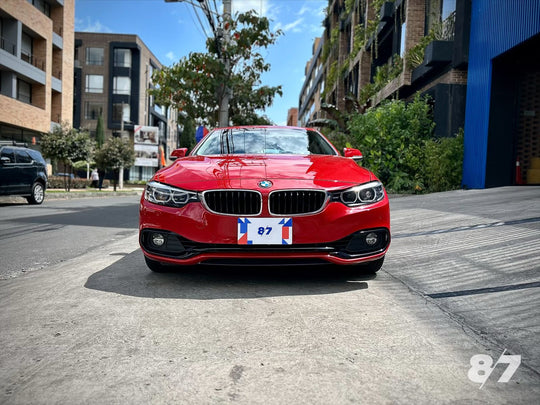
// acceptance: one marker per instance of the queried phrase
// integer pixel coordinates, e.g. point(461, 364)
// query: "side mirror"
point(178, 153)
point(352, 153)
point(4, 160)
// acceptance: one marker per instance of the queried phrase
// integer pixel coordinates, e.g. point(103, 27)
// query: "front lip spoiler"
point(208, 257)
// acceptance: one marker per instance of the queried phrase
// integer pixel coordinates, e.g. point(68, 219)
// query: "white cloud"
point(170, 55)
point(313, 8)
point(305, 9)
point(294, 26)
point(260, 6)
point(90, 26)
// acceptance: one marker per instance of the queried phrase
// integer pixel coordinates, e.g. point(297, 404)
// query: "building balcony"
point(438, 52)
point(8, 46)
point(57, 41)
point(387, 11)
point(56, 84)
point(25, 66)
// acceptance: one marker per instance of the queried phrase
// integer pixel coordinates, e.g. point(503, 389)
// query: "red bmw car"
point(264, 195)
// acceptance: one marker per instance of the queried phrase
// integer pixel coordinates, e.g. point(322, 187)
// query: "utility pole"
point(225, 39)
point(121, 173)
point(224, 102)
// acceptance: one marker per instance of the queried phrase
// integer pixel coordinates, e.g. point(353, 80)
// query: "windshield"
point(265, 141)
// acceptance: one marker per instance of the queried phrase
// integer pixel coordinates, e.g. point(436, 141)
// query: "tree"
point(67, 145)
point(114, 154)
point(187, 136)
point(100, 132)
point(197, 83)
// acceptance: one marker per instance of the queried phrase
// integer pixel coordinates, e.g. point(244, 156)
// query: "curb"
point(89, 194)
point(72, 195)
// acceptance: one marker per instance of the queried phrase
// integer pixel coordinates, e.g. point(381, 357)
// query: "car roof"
point(16, 147)
point(265, 127)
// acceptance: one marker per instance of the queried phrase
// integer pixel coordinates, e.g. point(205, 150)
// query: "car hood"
point(199, 173)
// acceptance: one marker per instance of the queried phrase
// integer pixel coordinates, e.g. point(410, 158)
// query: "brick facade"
point(408, 19)
point(46, 58)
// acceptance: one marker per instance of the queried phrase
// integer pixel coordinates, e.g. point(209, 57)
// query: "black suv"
point(23, 172)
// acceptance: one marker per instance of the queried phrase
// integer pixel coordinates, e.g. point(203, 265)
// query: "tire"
point(38, 194)
point(156, 266)
point(371, 267)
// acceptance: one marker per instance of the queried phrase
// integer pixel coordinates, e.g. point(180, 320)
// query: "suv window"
point(8, 152)
point(22, 157)
point(37, 156)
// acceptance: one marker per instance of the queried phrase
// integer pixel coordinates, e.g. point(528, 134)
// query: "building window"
point(24, 91)
point(42, 6)
point(27, 45)
point(94, 56)
point(92, 111)
point(150, 73)
point(117, 112)
point(159, 109)
point(440, 15)
point(122, 85)
point(122, 57)
point(448, 7)
point(94, 83)
point(402, 37)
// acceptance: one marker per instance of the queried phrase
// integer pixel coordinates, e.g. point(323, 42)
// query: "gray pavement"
point(476, 255)
point(101, 328)
point(35, 237)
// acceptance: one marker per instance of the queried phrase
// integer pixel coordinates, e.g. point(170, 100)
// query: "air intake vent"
point(297, 202)
point(233, 202)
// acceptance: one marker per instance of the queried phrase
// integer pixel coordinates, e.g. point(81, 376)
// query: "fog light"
point(158, 239)
point(371, 238)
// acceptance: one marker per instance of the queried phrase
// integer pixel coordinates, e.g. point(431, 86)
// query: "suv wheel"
point(38, 194)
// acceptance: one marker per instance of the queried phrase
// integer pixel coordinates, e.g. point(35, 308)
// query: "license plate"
point(265, 231)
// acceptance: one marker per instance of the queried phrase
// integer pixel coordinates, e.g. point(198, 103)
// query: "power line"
point(203, 32)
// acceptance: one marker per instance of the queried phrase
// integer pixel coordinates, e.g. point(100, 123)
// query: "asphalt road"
point(461, 279)
point(34, 237)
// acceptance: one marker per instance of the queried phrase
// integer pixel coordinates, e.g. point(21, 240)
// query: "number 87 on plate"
point(265, 231)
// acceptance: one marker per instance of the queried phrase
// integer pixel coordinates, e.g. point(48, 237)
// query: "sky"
point(172, 30)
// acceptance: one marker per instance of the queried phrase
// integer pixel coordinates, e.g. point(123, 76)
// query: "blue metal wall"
point(496, 27)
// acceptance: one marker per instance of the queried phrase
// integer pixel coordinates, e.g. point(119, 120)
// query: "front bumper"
point(194, 235)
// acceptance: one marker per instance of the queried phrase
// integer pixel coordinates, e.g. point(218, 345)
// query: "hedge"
point(76, 183)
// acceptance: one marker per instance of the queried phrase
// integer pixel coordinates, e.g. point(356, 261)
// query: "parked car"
point(65, 175)
point(23, 172)
point(265, 195)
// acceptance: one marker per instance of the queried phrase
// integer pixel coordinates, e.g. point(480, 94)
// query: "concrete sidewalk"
point(476, 255)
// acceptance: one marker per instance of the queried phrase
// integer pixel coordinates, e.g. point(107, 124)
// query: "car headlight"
point(368, 193)
point(162, 194)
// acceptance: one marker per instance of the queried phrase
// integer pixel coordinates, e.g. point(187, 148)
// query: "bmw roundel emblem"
point(265, 184)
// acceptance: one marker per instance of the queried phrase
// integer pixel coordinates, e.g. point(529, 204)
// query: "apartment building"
point(370, 53)
point(36, 67)
point(292, 117)
point(113, 73)
point(374, 50)
point(309, 108)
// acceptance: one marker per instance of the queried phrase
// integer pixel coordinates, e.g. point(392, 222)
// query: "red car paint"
point(217, 234)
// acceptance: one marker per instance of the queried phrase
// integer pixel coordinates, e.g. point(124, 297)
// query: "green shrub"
point(59, 182)
point(77, 183)
point(397, 142)
point(387, 134)
point(444, 163)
